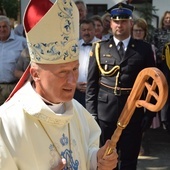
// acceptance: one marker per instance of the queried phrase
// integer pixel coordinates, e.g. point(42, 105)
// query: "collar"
point(125, 41)
point(12, 36)
point(57, 108)
point(81, 41)
point(34, 105)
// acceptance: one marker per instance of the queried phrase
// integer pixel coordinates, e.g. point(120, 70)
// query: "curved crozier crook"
point(158, 89)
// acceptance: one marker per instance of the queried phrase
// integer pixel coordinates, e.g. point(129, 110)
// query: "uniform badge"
point(91, 53)
point(107, 55)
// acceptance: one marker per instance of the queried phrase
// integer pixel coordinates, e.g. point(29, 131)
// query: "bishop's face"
point(56, 82)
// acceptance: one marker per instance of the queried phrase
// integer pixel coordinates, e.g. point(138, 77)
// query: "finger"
point(103, 165)
point(60, 165)
point(106, 145)
point(109, 162)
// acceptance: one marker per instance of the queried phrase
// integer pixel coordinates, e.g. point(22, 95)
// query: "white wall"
point(162, 5)
point(108, 2)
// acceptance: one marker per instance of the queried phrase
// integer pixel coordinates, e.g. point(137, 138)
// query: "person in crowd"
point(22, 63)
point(81, 5)
point(41, 126)
point(113, 67)
point(11, 46)
point(107, 33)
point(160, 38)
point(98, 26)
point(140, 32)
point(82, 8)
point(87, 32)
point(2, 11)
point(19, 30)
point(140, 29)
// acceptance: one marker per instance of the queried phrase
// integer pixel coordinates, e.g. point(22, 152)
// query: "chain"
point(53, 142)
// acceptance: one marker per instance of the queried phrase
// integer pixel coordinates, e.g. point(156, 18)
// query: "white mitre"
point(52, 31)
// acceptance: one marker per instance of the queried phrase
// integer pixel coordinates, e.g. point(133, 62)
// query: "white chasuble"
point(34, 137)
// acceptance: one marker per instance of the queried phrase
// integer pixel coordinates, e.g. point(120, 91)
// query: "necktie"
point(121, 49)
point(87, 44)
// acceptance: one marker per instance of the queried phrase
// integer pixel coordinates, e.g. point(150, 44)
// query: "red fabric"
point(34, 12)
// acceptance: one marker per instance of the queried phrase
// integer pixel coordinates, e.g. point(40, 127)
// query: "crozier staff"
point(41, 126)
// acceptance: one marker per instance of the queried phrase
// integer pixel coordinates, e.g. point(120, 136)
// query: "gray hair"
point(81, 2)
point(4, 18)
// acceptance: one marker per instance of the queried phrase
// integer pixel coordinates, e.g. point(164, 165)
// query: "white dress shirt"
point(10, 51)
point(84, 55)
point(125, 42)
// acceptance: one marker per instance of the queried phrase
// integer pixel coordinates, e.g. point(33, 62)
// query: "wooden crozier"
point(158, 89)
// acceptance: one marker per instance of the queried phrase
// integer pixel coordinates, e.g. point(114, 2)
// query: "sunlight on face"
point(121, 28)
point(56, 82)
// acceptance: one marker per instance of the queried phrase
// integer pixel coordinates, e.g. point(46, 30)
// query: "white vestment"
point(25, 144)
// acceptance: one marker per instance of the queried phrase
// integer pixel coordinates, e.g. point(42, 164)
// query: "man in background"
point(11, 46)
point(87, 32)
point(82, 10)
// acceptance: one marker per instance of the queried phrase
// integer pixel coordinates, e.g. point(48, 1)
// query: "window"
point(96, 9)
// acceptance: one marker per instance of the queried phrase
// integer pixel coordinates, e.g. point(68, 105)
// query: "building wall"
point(161, 5)
point(108, 2)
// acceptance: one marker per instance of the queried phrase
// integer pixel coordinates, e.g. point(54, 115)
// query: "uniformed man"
point(113, 68)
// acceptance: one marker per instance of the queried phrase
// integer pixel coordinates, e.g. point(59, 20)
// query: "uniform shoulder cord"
point(167, 54)
point(106, 73)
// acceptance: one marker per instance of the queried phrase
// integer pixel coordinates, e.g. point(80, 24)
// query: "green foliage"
point(11, 7)
point(146, 11)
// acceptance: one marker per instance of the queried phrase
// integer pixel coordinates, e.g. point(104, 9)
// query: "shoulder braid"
point(106, 73)
point(166, 54)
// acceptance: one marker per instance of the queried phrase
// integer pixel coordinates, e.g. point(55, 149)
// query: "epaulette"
point(97, 42)
point(103, 41)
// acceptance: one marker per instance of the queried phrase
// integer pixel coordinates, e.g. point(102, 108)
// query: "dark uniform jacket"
point(101, 102)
